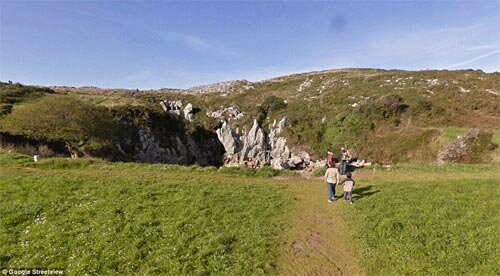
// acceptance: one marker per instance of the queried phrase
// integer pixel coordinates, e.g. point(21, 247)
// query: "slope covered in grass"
point(385, 116)
point(101, 218)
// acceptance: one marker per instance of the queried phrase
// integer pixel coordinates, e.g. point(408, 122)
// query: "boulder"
point(295, 161)
point(188, 112)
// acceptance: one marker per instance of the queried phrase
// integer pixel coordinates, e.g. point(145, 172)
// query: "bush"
point(273, 104)
point(388, 107)
point(345, 130)
point(5, 109)
point(16, 93)
point(472, 147)
point(84, 127)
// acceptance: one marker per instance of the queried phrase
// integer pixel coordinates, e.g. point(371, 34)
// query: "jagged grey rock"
point(228, 112)
point(295, 161)
point(188, 112)
point(231, 142)
point(253, 143)
point(172, 107)
point(257, 148)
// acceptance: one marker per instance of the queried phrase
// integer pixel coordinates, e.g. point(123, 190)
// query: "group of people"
point(332, 175)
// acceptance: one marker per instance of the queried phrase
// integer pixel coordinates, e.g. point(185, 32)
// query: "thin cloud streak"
point(497, 51)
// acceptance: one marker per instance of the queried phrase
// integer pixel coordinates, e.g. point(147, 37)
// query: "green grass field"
point(440, 227)
point(99, 218)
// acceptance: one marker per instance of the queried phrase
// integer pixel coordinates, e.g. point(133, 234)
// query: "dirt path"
point(316, 238)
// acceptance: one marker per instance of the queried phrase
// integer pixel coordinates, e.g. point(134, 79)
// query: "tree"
point(83, 127)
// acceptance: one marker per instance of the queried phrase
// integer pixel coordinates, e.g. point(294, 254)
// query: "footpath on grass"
point(316, 240)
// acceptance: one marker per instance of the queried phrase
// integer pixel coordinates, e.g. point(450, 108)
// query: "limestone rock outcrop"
point(188, 112)
point(228, 112)
point(258, 148)
point(227, 146)
point(172, 107)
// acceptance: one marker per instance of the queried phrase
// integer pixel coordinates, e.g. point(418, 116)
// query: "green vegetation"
point(105, 218)
point(16, 93)
point(367, 107)
point(82, 126)
point(435, 227)
point(97, 217)
point(384, 116)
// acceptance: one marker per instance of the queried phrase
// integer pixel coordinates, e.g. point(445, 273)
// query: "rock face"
point(154, 143)
point(231, 142)
point(258, 148)
point(227, 146)
point(255, 150)
point(149, 149)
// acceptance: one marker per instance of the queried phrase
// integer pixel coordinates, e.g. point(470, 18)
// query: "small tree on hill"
point(83, 127)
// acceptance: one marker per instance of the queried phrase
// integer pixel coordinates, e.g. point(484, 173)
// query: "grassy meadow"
point(432, 227)
point(100, 218)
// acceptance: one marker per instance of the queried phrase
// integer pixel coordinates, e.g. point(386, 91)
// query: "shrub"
point(5, 109)
point(273, 104)
point(83, 127)
point(16, 93)
point(345, 130)
point(472, 147)
point(388, 107)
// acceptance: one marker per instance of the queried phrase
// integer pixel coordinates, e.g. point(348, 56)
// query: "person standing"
point(344, 159)
point(329, 159)
point(331, 179)
point(348, 184)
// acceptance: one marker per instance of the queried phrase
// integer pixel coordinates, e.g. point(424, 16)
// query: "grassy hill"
point(385, 116)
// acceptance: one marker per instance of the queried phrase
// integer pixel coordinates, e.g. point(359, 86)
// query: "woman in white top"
point(331, 179)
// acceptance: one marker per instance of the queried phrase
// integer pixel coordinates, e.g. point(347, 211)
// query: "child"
point(331, 179)
point(348, 184)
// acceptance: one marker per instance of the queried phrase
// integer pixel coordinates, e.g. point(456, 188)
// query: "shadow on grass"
point(362, 192)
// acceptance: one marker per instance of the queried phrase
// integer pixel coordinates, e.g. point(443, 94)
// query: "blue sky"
point(141, 44)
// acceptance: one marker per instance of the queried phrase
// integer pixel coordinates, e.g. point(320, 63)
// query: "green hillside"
point(384, 116)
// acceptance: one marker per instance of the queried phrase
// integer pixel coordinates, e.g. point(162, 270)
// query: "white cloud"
point(195, 43)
